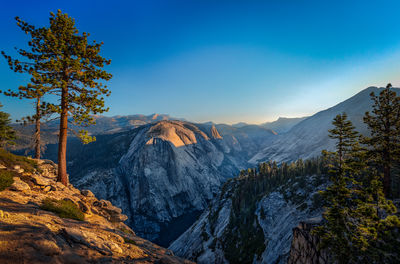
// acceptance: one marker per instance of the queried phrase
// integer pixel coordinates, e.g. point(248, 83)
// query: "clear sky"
point(225, 61)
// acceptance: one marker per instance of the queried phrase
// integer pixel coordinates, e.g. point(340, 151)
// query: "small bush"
point(6, 179)
point(63, 208)
point(130, 241)
point(126, 231)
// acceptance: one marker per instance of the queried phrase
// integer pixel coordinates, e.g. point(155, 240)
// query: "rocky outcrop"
point(304, 248)
point(30, 234)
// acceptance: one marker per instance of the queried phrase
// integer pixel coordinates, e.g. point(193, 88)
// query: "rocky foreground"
point(29, 234)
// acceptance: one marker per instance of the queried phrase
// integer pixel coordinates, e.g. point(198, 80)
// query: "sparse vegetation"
point(63, 208)
point(129, 241)
point(8, 159)
point(126, 231)
point(6, 179)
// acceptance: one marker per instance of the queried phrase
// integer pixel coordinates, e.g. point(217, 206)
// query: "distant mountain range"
point(280, 126)
point(310, 136)
point(283, 124)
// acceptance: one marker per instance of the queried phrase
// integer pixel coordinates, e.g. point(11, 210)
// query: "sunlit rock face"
point(162, 175)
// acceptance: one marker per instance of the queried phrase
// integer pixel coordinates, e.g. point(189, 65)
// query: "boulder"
point(39, 180)
point(84, 207)
point(87, 193)
point(118, 218)
point(60, 186)
point(47, 188)
point(115, 248)
point(109, 211)
point(19, 185)
point(87, 238)
point(18, 169)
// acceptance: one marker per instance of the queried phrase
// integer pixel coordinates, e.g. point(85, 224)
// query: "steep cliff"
point(305, 246)
point(246, 225)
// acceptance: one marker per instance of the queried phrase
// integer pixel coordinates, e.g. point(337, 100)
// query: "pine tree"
point(384, 126)
point(66, 65)
point(346, 141)
point(339, 231)
point(34, 66)
point(7, 133)
point(359, 220)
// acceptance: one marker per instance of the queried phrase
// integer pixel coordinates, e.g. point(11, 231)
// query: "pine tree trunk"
point(37, 130)
point(62, 142)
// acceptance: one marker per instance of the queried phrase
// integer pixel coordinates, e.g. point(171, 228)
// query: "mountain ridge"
point(310, 136)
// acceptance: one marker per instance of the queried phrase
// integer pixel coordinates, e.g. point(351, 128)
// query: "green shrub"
point(6, 179)
point(126, 231)
point(9, 160)
point(130, 241)
point(63, 208)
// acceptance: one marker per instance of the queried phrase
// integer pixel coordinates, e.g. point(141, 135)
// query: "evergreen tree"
point(346, 137)
point(384, 126)
point(7, 133)
point(339, 231)
point(358, 217)
point(34, 66)
point(66, 65)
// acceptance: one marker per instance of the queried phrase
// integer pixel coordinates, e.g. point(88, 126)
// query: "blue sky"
point(225, 61)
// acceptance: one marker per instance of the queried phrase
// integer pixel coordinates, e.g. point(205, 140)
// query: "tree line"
point(67, 80)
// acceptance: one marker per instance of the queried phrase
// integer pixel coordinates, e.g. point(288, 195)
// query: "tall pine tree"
point(346, 141)
point(65, 64)
point(384, 125)
point(339, 231)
